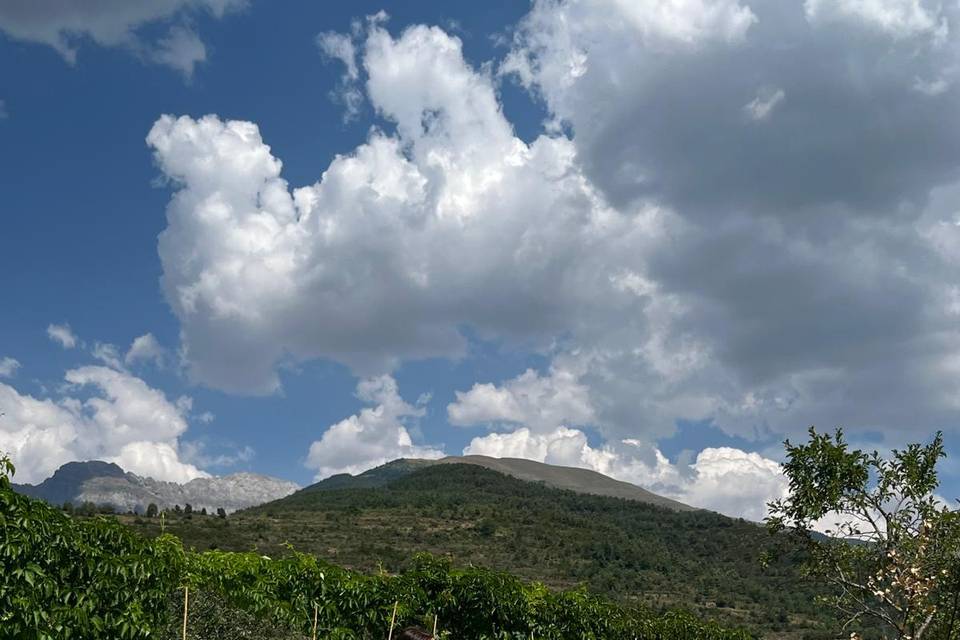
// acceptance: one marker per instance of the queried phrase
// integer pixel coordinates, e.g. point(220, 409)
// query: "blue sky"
point(596, 234)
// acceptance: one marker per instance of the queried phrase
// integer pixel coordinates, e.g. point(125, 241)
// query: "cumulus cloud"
point(772, 226)
point(8, 367)
point(196, 452)
point(731, 481)
point(402, 242)
point(63, 335)
point(108, 354)
point(531, 399)
point(64, 25)
point(372, 437)
point(102, 413)
point(145, 348)
point(340, 46)
point(180, 49)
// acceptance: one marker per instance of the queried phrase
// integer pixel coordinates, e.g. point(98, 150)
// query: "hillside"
point(81, 577)
point(627, 549)
point(103, 483)
point(558, 477)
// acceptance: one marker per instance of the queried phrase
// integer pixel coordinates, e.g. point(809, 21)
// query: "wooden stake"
point(314, 621)
point(393, 619)
point(186, 605)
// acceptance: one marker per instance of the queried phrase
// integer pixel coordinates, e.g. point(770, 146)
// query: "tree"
point(177, 509)
point(892, 549)
point(203, 511)
point(188, 509)
point(221, 513)
point(152, 510)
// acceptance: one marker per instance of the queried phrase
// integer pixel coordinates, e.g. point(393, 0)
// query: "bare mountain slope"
point(571, 478)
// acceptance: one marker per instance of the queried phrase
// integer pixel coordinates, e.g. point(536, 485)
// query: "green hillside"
point(66, 576)
point(630, 550)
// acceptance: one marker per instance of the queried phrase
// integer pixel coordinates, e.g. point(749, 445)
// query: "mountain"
point(104, 483)
point(569, 478)
point(631, 549)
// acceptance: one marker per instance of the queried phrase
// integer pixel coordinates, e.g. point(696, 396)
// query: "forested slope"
point(629, 550)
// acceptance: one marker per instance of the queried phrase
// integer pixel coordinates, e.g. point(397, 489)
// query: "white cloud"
point(159, 460)
point(62, 334)
point(899, 18)
point(731, 481)
point(561, 44)
point(372, 437)
point(145, 348)
point(400, 244)
point(339, 46)
point(8, 367)
point(180, 49)
point(531, 399)
point(931, 88)
point(107, 354)
point(734, 482)
point(65, 25)
point(766, 101)
point(40, 435)
point(101, 414)
point(195, 452)
point(728, 480)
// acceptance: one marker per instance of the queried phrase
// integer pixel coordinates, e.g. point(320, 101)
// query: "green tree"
point(892, 549)
point(152, 510)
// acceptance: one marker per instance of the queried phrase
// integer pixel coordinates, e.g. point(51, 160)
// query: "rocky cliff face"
point(107, 484)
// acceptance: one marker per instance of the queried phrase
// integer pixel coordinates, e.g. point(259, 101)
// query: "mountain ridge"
point(576, 479)
point(105, 483)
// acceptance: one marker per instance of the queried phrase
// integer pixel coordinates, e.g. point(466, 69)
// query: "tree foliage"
point(892, 550)
point(67, 578)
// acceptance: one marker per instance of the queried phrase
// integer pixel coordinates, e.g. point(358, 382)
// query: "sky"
point(651, 239)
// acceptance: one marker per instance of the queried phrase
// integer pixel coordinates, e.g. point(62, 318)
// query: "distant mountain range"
point(557, 477)
point(105, 483)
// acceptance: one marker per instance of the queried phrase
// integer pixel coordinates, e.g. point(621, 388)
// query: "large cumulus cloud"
point(451, 221)
point(800, 162)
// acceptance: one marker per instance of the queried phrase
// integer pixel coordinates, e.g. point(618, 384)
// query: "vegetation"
point(896, 557)
point(91, 578)
point(629, 551)
point(67, 578)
